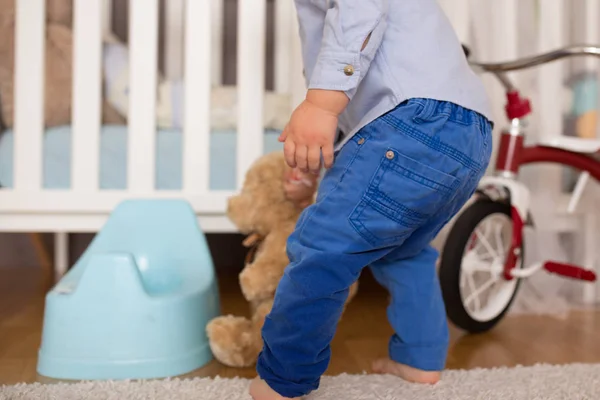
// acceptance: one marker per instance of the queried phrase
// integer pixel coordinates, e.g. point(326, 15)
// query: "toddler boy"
point(417, 139)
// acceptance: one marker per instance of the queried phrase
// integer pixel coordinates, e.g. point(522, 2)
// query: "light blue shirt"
point(412, 52)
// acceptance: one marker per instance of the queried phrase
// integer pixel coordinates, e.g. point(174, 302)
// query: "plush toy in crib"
point(262, 212)
point(170, 95)
point(58, 65)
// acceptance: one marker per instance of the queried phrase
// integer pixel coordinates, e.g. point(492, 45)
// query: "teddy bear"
point(262, 212)
point(58, 65)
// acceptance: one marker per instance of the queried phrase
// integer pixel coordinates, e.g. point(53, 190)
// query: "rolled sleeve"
point(342, 62)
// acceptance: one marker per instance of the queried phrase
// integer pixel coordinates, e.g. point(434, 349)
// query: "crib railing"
point(193, 48)
point(193, 43)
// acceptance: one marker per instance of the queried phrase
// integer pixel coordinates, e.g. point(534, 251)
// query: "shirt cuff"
point(336, 71)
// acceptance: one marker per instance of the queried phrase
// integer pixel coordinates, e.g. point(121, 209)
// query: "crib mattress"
point(113, 158)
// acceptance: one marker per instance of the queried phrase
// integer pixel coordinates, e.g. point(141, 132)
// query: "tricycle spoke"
point(486, 243)
point(471, 283)
point(499, 240)
point(475, 294)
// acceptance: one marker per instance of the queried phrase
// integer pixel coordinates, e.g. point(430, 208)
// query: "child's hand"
point(312, 130)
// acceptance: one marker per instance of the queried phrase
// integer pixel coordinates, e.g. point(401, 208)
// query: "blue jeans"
point(393, 186)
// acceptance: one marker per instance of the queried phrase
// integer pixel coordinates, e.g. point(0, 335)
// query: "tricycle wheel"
point(476, 293)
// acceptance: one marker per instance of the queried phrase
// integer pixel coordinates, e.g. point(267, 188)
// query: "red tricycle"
point(481, 263)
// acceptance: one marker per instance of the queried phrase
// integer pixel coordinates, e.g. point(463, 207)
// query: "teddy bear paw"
point(234, 341)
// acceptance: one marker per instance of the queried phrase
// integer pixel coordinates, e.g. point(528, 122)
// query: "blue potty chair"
point(136, 304)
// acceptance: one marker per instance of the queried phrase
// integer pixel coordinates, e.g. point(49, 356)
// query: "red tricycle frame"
point(512, 155)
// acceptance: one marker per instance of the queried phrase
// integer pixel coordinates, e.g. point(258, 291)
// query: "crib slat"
point(251, 83)
point(216, 54)
point(196, 138)
point(174, 38)
point(284, 14)
point(29, 94)
point(143, 36)
point(86, 94)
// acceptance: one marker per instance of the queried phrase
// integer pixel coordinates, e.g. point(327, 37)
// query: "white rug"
point(573, 382)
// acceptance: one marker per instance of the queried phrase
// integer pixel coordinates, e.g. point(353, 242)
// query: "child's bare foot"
point(259, 390)
point(387, 366)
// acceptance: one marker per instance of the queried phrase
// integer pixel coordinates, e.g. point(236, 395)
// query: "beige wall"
point(16, 249)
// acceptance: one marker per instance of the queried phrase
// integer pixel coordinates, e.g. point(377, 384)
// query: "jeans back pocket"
point(402, 195)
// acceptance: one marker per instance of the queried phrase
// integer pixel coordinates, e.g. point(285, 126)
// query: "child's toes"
point(259, 390)
point(410, 374)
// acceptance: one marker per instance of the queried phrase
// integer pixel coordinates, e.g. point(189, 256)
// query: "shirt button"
point(349, 70)
point(361, 140)
point(389, 155)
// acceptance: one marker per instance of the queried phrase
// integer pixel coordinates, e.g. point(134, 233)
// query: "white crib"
point(193, 49)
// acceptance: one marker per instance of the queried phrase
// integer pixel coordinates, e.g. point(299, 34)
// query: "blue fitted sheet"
point(113, 158)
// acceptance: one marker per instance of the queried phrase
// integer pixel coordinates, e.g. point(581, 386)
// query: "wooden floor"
point(362, 335)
